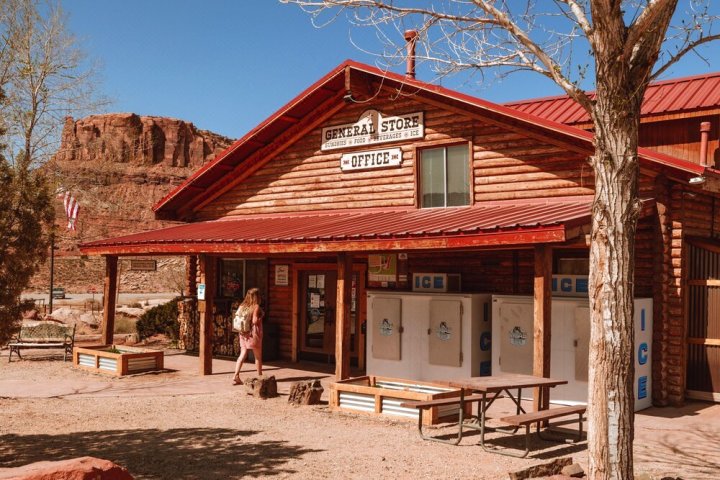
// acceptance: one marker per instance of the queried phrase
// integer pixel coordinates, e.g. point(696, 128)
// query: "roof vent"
point(410, 38)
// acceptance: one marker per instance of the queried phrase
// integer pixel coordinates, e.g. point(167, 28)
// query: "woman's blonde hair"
point(252, 297)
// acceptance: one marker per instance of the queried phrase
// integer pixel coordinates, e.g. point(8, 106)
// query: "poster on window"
point(382, 270)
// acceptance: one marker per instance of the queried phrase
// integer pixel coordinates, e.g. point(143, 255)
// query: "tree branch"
point(580, 17)
point(682, 52)
point(552, 69)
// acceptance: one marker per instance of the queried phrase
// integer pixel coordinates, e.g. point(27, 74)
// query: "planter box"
point(117, 360)
point(374, 395)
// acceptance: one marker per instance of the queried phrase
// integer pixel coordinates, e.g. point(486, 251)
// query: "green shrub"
point(160, 319)
point(135, 305)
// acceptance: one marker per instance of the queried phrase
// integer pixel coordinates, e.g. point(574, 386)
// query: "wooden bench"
point(528, 419)
point(441, 402)
point(44, 335)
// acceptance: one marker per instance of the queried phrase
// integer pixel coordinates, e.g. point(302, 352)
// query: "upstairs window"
point(444, 177)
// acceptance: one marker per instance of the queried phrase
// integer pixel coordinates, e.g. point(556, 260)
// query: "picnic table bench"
point(541, 416)
point(44, 335)
point(425, 405)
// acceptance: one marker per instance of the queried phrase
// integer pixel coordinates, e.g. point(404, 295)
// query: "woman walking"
point(251, 340)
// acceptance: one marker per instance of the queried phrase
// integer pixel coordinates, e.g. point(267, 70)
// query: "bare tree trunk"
point(612, 268)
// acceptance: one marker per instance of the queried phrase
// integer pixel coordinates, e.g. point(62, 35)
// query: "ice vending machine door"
point(386, 328)
point(445, 333)
point(516, 338)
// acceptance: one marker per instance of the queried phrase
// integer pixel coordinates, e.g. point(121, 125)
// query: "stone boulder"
point(305, 393)
point(262, 386)
point(82, 468)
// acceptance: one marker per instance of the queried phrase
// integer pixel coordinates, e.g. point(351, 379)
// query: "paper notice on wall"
point(312, 281)
point(321, 281)
point(314, 300)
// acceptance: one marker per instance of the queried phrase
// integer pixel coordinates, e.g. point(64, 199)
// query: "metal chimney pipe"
point(704, 133)
point(410, 38)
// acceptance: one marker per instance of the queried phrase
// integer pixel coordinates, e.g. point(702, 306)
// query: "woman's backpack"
point(242, 322)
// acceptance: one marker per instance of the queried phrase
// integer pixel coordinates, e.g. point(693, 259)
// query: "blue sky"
point(227, 65)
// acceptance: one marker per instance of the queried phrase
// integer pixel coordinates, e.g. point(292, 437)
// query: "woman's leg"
point(258, 359)
point(239, 363)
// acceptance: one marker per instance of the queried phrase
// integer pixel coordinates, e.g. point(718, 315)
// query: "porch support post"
point(109, 295)
point(205, 308)
point(542, 321)
point(342, 316)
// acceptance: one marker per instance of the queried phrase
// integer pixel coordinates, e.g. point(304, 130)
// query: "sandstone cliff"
point(137, 140)
point(117, 166)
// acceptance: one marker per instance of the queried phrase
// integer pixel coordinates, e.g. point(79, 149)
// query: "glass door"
point(319, 291)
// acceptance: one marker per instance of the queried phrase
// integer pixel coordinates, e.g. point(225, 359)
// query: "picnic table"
point(488, 389)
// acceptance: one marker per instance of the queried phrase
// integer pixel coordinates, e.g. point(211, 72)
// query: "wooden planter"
point(127, 361)
point(373, 395)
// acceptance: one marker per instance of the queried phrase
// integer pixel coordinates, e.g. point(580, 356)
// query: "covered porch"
point(344, 240)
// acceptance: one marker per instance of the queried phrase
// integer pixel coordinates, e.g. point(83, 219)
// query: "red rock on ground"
point(82, 468)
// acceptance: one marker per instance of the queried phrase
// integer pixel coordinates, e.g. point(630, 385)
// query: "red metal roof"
point(496, 224)
point(686, 94)
point(333, 84)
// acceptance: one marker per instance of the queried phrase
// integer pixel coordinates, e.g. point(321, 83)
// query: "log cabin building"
point(368, 178)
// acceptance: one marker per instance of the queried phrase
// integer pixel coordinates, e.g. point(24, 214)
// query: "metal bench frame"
point(459, 401)
point(528, 419)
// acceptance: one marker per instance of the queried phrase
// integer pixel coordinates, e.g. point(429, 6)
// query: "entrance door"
point(703, 300)
point(318, 293)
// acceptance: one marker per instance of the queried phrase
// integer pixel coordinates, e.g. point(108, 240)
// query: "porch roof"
point(483, 225)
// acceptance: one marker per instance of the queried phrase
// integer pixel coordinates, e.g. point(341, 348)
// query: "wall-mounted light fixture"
point(699, 180)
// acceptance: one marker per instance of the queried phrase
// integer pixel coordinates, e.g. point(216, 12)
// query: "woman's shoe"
point(237, 381)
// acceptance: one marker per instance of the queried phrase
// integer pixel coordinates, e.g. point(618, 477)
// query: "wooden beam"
point(342, 316)
point(295, 334)
point(205, 307)
point(109, 296)
point(542, 322)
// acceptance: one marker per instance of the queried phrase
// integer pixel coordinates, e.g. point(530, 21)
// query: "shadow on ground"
point(193, 453)
point(690, 453)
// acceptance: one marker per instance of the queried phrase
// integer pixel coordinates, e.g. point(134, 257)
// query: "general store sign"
point(372, 128)
point(390, 157)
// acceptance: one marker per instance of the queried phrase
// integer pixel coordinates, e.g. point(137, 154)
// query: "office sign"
point(373, 128)
point(390, 157)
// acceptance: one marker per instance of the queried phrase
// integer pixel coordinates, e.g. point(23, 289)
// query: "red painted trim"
point(553, 234)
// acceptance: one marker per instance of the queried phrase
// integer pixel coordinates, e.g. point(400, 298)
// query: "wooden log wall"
point(280, 298)
point(506, 165)
point(688, 212)
point(681, 138)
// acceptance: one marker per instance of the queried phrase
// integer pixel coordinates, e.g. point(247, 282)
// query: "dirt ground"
point(180, 425)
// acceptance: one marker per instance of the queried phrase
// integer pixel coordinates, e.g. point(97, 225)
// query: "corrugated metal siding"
point(670, 96)
point(366, 225)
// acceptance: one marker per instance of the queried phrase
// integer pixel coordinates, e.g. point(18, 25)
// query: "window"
point(237, 276)
point(444, 177)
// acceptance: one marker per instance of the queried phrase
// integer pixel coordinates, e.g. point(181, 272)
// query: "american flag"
point(71, 208)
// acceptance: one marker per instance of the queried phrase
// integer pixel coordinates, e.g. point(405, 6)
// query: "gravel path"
point(218, 432)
